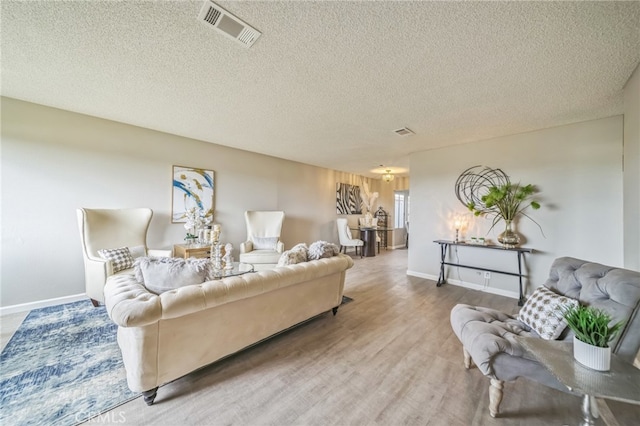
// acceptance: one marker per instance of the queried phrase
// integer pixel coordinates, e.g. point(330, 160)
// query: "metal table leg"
point(443, 255)
point(521, 298)
point(589, 410)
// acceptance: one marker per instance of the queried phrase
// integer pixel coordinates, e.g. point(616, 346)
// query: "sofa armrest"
point(129, 303)
point(159, 253)
point(246, 247)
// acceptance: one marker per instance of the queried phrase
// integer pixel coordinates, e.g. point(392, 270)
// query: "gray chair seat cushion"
point(490, 338)
point(485, 333)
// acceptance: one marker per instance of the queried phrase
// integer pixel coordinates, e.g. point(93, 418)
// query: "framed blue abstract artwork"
point(193, 188)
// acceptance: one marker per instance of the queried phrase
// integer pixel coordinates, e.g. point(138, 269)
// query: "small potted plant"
point(592, 334)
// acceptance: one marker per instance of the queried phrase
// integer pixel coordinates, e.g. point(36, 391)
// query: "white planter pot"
point(591, 356)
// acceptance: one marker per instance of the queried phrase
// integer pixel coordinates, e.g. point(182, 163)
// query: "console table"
point(520, 251)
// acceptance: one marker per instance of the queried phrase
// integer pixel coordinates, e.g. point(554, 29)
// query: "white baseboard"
point(472, 286)
point(422, 275)
point(400, 246)
point(23, 307)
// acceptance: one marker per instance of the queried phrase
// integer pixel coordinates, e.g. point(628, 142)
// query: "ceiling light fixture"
point(388, 177)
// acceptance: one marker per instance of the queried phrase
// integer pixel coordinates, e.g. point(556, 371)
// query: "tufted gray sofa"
point(489, 337)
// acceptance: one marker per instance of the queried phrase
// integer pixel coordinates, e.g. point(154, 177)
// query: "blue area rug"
point(62, 367)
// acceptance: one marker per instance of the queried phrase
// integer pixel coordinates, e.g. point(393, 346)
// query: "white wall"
point(578, 170)
point(632, 172)
point(395, 238)
point(54, 161)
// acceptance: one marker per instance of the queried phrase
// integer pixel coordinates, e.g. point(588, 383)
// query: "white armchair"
point(111, 229)
point(263, 246)
point(346, 239)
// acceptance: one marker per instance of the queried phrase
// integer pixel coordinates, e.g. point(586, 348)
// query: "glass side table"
point(238, 269)
point(620, 383)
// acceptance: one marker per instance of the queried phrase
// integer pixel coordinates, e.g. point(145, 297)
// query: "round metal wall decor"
point(474, 182)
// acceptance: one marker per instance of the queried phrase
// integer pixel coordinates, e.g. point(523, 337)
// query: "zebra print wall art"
point(348, 199)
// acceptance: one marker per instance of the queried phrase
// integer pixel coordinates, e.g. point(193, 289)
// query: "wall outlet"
point(487, 275)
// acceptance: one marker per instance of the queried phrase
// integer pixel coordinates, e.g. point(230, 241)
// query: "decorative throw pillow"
point(138, 251)
point(264, 243)
point(543, 312)
point(297, 254)
point(303, 248)
point(300, 246)
point(120, 258)
point(321, 249)
point(160, 274)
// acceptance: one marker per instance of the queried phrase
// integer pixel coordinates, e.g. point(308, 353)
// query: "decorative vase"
point(508, 238)
point(368, 219)
point(216, 258)
point(228, 257)
point(591, 356)
point(190, 240)
point(204, 235)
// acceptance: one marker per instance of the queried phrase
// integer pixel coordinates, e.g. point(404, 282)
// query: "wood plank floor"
point(388, 358)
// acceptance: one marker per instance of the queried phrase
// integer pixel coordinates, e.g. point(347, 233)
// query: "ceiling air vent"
point(227, 24)
point(405, 131)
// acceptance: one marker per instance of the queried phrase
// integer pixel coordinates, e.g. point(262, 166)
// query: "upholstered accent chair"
point(112, 229)
point(345, 237)
point(489, 337)
point(263, 247)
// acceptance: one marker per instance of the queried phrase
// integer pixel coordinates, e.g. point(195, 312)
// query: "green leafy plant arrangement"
point(591, 325)
point(190, 236)
point(506, 202)
point(489, 192)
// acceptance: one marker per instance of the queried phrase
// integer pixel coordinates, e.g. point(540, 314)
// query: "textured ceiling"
point(327, 82)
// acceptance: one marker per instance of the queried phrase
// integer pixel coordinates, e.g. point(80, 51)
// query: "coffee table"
point(620, 383)
point(238, 269)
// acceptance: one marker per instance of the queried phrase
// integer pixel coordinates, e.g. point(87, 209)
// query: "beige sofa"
point(163, 337)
